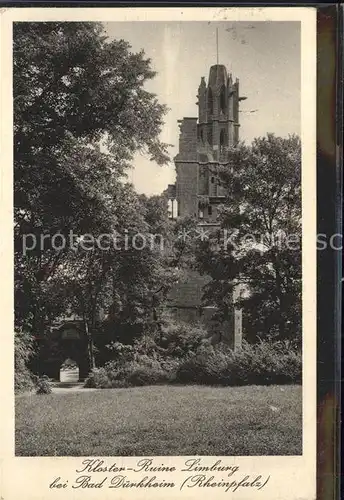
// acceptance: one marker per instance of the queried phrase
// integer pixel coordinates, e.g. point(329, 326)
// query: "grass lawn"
point(161, 420)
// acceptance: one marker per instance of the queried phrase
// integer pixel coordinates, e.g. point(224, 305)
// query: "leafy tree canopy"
point(81, 112)
point(259, 243)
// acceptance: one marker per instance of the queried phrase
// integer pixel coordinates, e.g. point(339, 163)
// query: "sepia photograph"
point(158, 267)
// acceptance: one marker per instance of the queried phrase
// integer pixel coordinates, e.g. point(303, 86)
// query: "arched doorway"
point(73, 345)
point(69, 371)
point(67, 342)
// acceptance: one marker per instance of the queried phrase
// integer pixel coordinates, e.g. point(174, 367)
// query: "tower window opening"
point(213, 187)
point(210, 136)
point(223, 99)
point(200, 211)
point(222, 140)
point(210, 210)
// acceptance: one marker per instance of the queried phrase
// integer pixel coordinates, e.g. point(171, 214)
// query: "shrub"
point(43, 385)
point(275, 362)
point(147, 375)
point(180, 339)
point(265, 363)
point(121, 352)
point(98, 378)
point(143, 371)
point(23, 379)
point(170, 367)
point(23, 351)
point(203, 368)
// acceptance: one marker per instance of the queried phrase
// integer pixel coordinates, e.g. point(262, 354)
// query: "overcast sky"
point(265, 56)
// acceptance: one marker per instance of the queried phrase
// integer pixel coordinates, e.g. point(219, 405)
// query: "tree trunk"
point(280, 297)
point(90, 349)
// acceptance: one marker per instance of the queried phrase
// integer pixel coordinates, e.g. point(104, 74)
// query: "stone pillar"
point(237, 318)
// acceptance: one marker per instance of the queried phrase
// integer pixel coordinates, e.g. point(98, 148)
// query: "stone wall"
point(187, 169)
point(185, 303)
point(188, 292)
point(188, 139)
point(187, 175)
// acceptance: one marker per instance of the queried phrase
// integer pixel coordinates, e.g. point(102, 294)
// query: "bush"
point(98, 378)
point(23, 381)
point(146, 375)
point(179, 339)
point(23, 351)
point(143, 371)
point(265, 363)
point(43, 385)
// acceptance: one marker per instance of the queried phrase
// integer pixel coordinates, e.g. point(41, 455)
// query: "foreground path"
point(66, 387)
point(69, 383)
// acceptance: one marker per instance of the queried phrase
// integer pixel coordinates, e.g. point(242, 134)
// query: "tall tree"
point(260, 240)
point(80, 113)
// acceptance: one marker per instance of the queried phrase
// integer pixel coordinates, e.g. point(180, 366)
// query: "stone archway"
point(68, 341)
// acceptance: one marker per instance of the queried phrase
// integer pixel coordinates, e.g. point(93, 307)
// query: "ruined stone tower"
point(203, 146)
